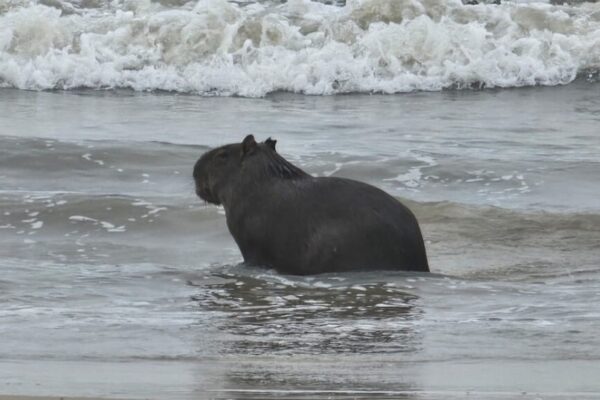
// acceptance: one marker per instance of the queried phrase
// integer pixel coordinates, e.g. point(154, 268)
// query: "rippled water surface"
point(117, 281)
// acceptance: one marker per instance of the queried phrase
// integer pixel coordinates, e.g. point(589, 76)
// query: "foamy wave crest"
point(222, 48)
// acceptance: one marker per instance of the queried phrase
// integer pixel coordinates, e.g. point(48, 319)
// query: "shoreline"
point(36, 397)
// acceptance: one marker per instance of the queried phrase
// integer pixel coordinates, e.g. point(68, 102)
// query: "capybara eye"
point(222, 155)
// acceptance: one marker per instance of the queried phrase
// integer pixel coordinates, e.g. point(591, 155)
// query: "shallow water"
point(117, 281)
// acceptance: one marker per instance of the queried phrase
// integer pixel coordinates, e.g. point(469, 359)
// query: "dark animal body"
point(283, 218)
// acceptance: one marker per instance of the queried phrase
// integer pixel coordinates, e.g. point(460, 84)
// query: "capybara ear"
point(248, 144)
point(271, 143)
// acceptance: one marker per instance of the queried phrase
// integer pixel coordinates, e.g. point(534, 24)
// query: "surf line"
point(508, 394)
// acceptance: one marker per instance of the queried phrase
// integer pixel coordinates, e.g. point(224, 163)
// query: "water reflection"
point(262, 316)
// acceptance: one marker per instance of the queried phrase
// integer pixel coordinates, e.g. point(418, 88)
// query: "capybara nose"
point(203, 191)
point(196, 172)
point(201, 188)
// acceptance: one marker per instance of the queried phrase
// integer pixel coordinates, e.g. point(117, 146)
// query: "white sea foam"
point(104, 224)
point(214, 47)
point(37, 224)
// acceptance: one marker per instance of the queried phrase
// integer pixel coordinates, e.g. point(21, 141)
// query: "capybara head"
point(225, 168)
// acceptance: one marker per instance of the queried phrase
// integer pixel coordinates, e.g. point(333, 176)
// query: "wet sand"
point(303, 378)
point(13, 397)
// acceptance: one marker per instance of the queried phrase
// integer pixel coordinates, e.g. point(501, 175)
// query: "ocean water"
point(117, 281)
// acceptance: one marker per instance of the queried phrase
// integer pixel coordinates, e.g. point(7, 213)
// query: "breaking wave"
point(215, 47)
